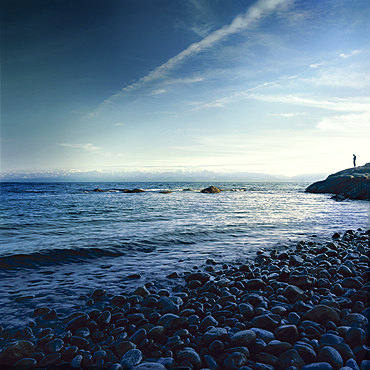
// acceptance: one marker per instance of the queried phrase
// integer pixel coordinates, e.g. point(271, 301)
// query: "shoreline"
point(284, 308)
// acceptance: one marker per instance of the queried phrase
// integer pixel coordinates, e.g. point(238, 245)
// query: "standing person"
point(354, 160)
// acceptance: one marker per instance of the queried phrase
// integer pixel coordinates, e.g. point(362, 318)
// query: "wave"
point(55, 257)
point(50, 257)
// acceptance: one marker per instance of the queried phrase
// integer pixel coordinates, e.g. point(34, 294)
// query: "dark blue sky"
point(242, 85)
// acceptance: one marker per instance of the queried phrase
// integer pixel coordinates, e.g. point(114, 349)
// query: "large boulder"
point(211, 189)
point(352, 183)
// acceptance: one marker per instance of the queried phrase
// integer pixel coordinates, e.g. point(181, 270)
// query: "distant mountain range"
point(153, 176)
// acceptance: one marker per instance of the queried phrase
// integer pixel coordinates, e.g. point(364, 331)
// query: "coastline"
point(285, 308)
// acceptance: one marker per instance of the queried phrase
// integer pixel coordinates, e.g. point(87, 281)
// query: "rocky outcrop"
point(98, 190)
point(211, 189)
point(352, 183)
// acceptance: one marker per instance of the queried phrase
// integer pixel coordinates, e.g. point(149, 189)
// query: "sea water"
point(60, 241)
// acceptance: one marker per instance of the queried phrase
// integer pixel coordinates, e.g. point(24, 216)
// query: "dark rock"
point(25, 363)
point(350, 282)
point(266, 335)
point(190, 355)
point(268, 322)
point(69, 353)
point(149, 366)
point(104, 317)
point(352, 364)
point(345, 271)
point(235, 361)
point(88, 361)
point(301, 281)
point(157, 333)
point(290, 358)
point(276, 347)
point(317, 366)
point(287, 333)
point(332, 356)
point(210, 362)
point(216, 347)
point(344, 350)
point(355, 337)
point(138, 336)
point(97, 337)
point(243, 338)
point(295, 260)
point(77, 322)
point(53, 346)
point(259, 366)
point(123, 346)
point(118, 300)
point(131, 358)
point(134, 191)
point(14, 351)
point(361, 352)
point(168, 305)
point(243, 350)
point(213, 334)
point(246, 309)
point(203, 277)
point(207, 321)
point(255, 284)
point(50, 359)
point(80, 342)
point(321, 314)
point(352, 183)
point(307, 353)
point(355, 320)
point(294, 318)
point(76, 362)
point(329, 339)
point(267, 358)
point(82, 332)
point(294, 294)
point(211, 189)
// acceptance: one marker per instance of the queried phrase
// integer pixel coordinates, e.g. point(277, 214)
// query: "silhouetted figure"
point(354, 160)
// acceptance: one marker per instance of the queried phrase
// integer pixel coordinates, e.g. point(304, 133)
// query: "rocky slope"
point(352, 183)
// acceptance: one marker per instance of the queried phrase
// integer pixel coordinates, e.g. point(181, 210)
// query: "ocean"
point(60, 241)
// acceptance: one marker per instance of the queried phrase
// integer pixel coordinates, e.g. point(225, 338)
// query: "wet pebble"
point(306, 309)
point(131, 358)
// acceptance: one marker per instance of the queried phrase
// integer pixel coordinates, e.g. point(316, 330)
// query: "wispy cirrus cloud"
point(240, 23)
point(259, 10)
point(221, 102)
point(317, 65)
point(356, 124)
point(353, 52)
point(88, 147)
point(338, 104)
point(289, 115)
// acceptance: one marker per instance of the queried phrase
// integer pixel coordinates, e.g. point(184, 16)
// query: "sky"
point(280, 87)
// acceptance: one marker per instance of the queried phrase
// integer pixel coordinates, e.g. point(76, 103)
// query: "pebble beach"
point(301, 308)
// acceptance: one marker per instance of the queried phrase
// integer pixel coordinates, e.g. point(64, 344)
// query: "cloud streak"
point(289, 115)
point(240, 23)
point(89, 147)
point(355, 104)
point(353, 52)
point(350, 123)
point(260, 9)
